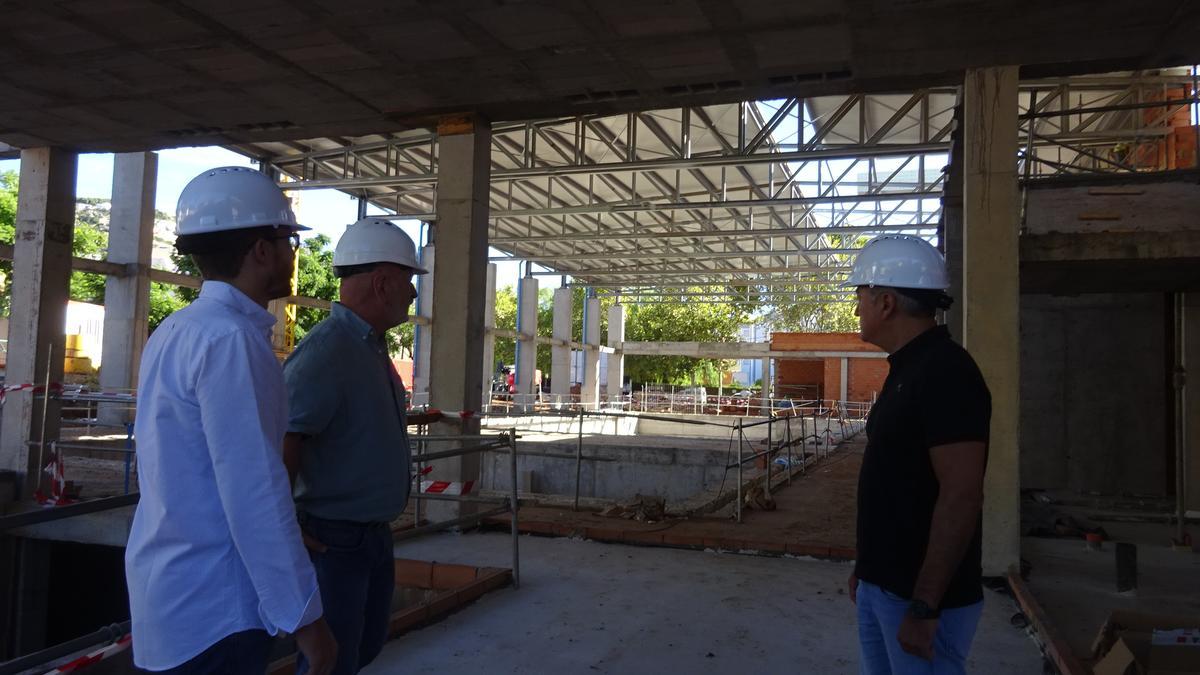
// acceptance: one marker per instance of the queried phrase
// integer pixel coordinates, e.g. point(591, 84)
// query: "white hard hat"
point(899, 261)
point(373, 240)
point(232, 198)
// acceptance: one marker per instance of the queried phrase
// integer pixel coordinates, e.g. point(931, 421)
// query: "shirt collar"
point(230, 296)
point(355, 323)
point(919, 344)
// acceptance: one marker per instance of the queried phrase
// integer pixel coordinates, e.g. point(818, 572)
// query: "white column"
point(845, 381)
point(766, 377)
point(489, 340)
point(459, 287)
point(423, 332)
point(560, 356)
point(45, 226)
point(616, 360)
point(527, 314)
point(127, 299)
point(589, 394)
point(991, 294)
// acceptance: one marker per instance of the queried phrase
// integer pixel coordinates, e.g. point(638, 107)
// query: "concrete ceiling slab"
point(186, 72)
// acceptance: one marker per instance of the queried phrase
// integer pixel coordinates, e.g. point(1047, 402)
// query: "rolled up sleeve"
point(312, 391)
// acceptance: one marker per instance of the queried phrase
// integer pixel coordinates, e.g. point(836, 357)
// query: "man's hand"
point(316, 642)
point(916, 636)
point(433, 415)
point(312, 543)
point(852, 583)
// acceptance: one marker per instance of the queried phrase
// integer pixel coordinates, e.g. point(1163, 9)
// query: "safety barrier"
point(781, 435)
point(484, 443)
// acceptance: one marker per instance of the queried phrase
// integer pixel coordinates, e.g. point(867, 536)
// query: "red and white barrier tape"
point(442, 487)
point(94, 657)
point(58, 483)
point(55, 387)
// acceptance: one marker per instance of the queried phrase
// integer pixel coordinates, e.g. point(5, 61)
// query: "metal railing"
point(782, 436)
point(505, 441)
point(785, 440)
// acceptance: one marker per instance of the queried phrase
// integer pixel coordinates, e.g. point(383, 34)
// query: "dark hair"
point(343, 271)
point(220, 255)
point(919, 302)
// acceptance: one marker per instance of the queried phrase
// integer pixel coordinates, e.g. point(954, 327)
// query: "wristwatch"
point(917, 609)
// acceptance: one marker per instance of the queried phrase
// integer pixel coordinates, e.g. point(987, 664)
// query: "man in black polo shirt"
point(920, 490)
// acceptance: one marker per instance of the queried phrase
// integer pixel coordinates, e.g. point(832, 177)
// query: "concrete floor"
point(1077, 587)
point(585, 607)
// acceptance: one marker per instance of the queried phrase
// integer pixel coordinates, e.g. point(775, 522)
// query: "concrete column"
point(589, 394)
point(127, 299)
point(560, 357)
point(952, 229)
point(991, 293)
point(456, 349)
point(489, 340)
point(527, 315)
point(1191, 360)
point(45, 226)
point(616, 361)
point(423, 332)
point(845, 387)
point(766, 386)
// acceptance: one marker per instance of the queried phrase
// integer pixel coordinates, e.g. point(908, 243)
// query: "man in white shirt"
point(215, 563)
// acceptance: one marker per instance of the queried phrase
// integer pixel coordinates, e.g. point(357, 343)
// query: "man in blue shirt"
point(215, 565)
point(347, 442)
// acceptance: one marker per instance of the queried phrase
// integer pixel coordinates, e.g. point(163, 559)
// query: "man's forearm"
point(955, 517)
point(291, 455)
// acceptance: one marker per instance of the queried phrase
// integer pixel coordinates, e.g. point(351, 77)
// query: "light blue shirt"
point(345, 395)
point(214, 548)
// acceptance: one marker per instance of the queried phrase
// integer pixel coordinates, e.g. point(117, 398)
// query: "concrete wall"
point(1093, 393)
point(671, 467)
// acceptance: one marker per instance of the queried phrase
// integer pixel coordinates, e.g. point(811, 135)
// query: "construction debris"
point(644, 509)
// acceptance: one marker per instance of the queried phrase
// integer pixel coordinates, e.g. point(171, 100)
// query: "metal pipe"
point(37, 660)
point(1180, 382)
point(457, 452)
point(722, 234)
point(729, 204)
point(789, 450)
point(25, 518)
point(514, 506)
point(578, 459)
point(767, 463)
point(741, 439)
point(445, 524)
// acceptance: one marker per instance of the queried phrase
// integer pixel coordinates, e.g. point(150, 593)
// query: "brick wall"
point(833, 379)
point(865, 375)
point(828, 342)
point(866, 378)
point(799, 378)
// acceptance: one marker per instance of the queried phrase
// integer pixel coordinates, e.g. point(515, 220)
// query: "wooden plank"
point(1057, 649)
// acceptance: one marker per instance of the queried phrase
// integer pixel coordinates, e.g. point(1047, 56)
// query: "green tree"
point(811, 316)
point(90, 241)
point(681, 321)
point(314, 279)
point(505, 319)
point(8, 220)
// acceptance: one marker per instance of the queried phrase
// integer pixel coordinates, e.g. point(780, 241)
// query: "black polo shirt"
point(933, 395)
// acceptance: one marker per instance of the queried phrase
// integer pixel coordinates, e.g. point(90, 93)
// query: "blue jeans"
point(244, 653)
point(879, 615)
point(357, 576)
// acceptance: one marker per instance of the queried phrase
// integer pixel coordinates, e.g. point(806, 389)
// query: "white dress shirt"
point(214, 548)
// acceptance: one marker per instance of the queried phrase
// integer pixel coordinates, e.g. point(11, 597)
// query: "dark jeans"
point(357, 577)
point(244, 653)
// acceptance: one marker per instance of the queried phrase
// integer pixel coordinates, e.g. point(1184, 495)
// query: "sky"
point(326, 211)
